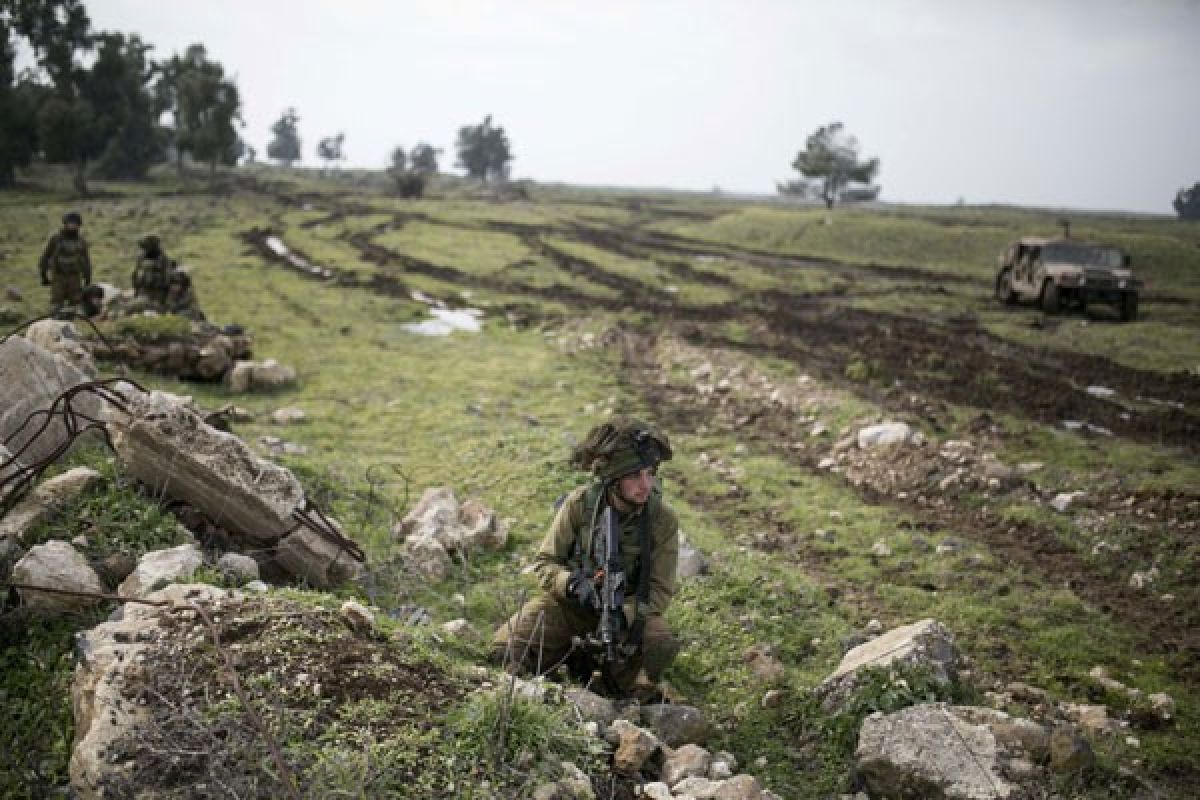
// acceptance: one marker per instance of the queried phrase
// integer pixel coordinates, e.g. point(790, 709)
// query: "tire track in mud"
point(1172, 630)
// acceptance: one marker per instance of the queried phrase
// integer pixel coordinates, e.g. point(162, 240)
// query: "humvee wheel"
point(1051, 300)
point(1129, 306)
point(1004, 290)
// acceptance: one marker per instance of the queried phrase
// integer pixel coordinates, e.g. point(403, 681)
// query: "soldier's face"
point(637, 486)
point(71, 227)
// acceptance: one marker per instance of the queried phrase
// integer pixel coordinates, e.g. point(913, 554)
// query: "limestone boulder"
point(238, 569)
point(323, 563)
point(215, 358)
point(946, 752)
point(427, 558)
point(591, 706)
point(62, 338)
point(688, 761)
point(635, 747)
point(31, 379)
point(159, 568)
point(46, 499)
point(259, 376)
point(109, 665)
point(923, 645)
point(884, 435)
point(675, 724)
point(56, 565)
point(438, 522)
point(177, 455)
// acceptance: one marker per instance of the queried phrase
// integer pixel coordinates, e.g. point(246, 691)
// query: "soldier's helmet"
point(72, 218)
point(623, 445)
point(149, 242)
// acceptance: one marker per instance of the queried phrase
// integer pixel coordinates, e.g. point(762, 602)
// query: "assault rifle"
point(612, 589)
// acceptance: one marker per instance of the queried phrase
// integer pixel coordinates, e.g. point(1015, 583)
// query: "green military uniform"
point(541, 634)
point(152, 272)
point(181, 298)
point(66, 266)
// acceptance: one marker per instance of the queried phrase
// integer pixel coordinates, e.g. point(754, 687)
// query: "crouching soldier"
point(571, 564)
point(65, 265)
point(181, 297)
point(152, 272)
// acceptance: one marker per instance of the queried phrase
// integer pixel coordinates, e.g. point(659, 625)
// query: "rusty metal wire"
point(75, 423)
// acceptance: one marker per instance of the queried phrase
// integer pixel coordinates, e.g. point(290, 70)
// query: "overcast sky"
point(1088, 103)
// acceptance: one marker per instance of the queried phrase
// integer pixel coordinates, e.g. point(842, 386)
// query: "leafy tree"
point(483, 151)
point(285, 147)
point(1187, 202)
point(410, 181)
point(19, 99)
point(830, 162)
point(329, 149)
point(118, 86)
point(206, 105)
point(425, 158)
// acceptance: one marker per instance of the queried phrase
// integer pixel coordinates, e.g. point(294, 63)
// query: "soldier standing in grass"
point(152, 272)
point(623, 455)
point(65, 265)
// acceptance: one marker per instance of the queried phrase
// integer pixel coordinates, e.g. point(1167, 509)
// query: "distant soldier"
point(65, 265)
point(181, 297)
point(152, 272)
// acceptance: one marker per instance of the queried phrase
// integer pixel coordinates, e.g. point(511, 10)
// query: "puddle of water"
point(446, 321)
point(276, 246)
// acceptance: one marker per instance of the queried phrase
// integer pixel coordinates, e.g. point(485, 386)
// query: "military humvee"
point(1067, 273)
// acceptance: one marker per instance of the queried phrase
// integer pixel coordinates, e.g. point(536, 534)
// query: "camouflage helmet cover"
point(621, 446)
point(72, 218)
point(149, 242)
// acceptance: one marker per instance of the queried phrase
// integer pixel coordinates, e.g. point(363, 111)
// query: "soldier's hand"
point(582, 589)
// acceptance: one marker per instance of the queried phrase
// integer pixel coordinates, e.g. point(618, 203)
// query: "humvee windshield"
point(1084, 255)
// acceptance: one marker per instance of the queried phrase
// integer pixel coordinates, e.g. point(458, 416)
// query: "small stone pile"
point(439, 528)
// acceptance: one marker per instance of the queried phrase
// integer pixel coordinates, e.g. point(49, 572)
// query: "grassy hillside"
point(603, 302)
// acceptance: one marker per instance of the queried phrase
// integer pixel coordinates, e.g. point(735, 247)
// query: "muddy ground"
point(916, 366)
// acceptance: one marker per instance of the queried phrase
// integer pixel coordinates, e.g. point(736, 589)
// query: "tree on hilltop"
point(829, 163)
point(1187, 202)
point(410, 181)
point(285, 147)
point(425, 158)
point(483, 151)
point(19, 100)
point(207, 107)
point(330, 149)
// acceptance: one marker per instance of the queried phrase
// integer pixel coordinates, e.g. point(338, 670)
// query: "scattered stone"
point(238, 569)
point(772, 698)
point(14, 295)
point(635, 747)
point(676, 724)
point(1163, 706)
point(439, 523)
point(874, 628)
point(1101, 391)
point(257, 587)
point(739, 787)
point(925, 645)
point(764, 663)
point(657, 791)
point(1029, 467)
point(56, 565)
point(256, 376)
point(427, 558)
point(1063, 501)
point(884, 435)
point(289, 416)
point(592, 707)
point(1070, 752)
point(685, 762)
point(696, 788)
point(827, 463)
point(881, 549)
point(281, 447)
point(691, 562)
point(724, 765)
point(46, 499)
point(357, 616)
point(1143, 580)
point(1093, 719)
point(159, 568)
point(456, 628)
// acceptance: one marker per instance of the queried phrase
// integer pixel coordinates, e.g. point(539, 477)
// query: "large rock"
point(946, 752)
point(686, 762)
point(46, 499)
point(56, 565)
point(925, 645)
point(176, 454)
point(316, 559)
point(108, 667)
point(675, 724)
point(31, 379)
point(635, 747)
point(259, 376)
point(884, 434)
point(238, 569)
point(439, 526)
point(158, 568)
point(61, 338)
